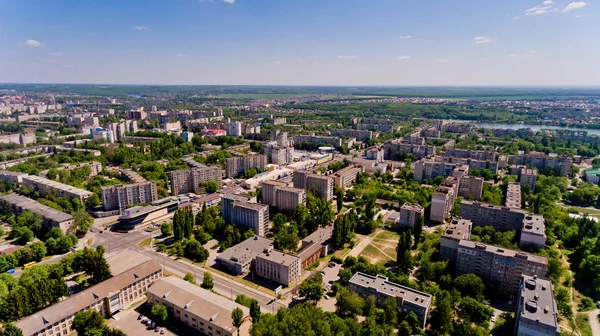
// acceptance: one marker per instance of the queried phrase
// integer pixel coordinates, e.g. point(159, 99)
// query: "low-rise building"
point(315, 246)
point(278, 266)
point(239, 259)
point(376, 154)
point(381, 288)
point(410, 214)
point(327, 140)
point(45, 186)
point(198, 308)
point(537, 313)
point(346, 176)
point(50, 216)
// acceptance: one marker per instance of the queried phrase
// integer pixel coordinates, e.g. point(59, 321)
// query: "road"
point(594, 324)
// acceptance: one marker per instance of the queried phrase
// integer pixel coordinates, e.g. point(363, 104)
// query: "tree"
point(211, 186)
point(82, 222)
point(195, 251)
point(87, 321)
point(472, 310)
point(345, 276)
point(237, 316)
point(441, 317)
point(255, 311)
point(25, 235)
point(92, 201)
point(404, 329)
point(311, 290)
point(418, 230)
point(470, 285)
point(10, 329)
point(92, 262)
point(339, 194)
point(287, 239)
point(404, 256)
point(189, 277)
point(207, 281)
point(159, 313)
point(369, 307)
point(348, 303)
point(390, 308)
point(166, 229)
point(279, 221)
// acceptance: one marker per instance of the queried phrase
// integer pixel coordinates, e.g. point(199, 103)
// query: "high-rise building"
point(410, 213)
point(234, 129)
point(190, 180)
point(457, 230)
point(537, 313)
point(279, 195)
point(538, 160)
point(238, 210)
point(500, 217)
point(513, 196)
point(123, 195)
point(528, 176)
point(471, 187)
point(442, 202)
point(238, 165)
point(322, 185)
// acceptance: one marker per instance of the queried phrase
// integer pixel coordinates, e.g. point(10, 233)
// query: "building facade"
point(410, 214)
point(239, 165)
point(442, 202)
point(528, 176)
point(278, 266)
point(471, 187)
point(123, 195)
point(238, 210)
point(537, 313)
point(344, 177)
point(279, 195)
point(50, 216)
point(185, 181)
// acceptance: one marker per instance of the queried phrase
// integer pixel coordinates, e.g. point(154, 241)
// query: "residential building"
point(394, 149)
point(132, 176)
point(537, 313)
point(234, 129)
point(278, 266)
point(502, 218)
point(351, 133)
point(442, 202)
point(408, 299)
point(278, 195)
point(540, 161)
point(239, 259)
point(322, 185)
point(191, 180)
point(238, 210)
point(376, 154)
point(45, 186)
point(198, 308)
point(122, 196)
point(433, 166)
point(501, 267)
point(328, 140)
point(14, 177)
point(513, 196)
point(344, 177)
point(533, 232)
point(21, 139)
point(239, 165)
point(413, 138)
point(458, 229)
point(50, 216)
point(410, 213)
point(528, 176)
point(592, 175)
point(471, 187)
point(138, 114)
point(471, 154)
point(107, 297)
point(315, 246)
point(95, 168)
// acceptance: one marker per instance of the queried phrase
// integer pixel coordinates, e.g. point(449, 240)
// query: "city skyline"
point(337, 43)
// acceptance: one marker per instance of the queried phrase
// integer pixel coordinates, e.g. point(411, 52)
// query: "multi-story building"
point(99, 133)
point(433, 166)
point(381, 288)
point(410, 213)
point(528, 176)
point(540, 161)
point(278, 266)
point(501, 267)
point(234, 129)
point(322, 185)
point(533, 231)
point(346, 176)
point(45, 186)
point(131, 176)
point(138, 114)
point(471, 187)
point(50, 216)
point(239, 259)
point(315, 246)
point(537, 313)
point(327, 140)
point(513, 196)
point(457, 230)
point(107, 297)
point(21, 139)
point(278, 195)
point(239, 165)
point(395, 147)
point(191, 180)
point(471, 154)
point(376, 154)
point(351, 133)
point(500, 217)
point(95, 168)
point(123, 195)
point(442, 202)
point(238, 210)
point(198, 308)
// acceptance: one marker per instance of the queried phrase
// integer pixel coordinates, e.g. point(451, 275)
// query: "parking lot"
point(330, 275)
point(127, 322)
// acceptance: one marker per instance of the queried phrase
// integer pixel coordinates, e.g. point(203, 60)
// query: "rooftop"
point(125, 260)
point(279, 257)
point(458, 229)
point(528, 171)
point(246, 250)
point(534, 224)
point(513, 195)
point(501, 251)
point(198, 301)
point(58, 185)
point(383, 286)
point(537, 301)
point(35, 207)
point(411, 206)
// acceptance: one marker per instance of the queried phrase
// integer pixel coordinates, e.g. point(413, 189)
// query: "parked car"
point(162, 331)
point(144, 320)
point(139, 317)
point(149, 323)
point(326, 297)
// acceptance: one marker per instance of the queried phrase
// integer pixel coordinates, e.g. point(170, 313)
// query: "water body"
point(535, 127)
point(134, 95)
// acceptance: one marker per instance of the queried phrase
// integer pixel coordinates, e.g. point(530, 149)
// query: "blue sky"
point(301, 42)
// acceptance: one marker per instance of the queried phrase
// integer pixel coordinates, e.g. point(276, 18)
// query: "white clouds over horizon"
point(482, 39)
point(229, 1)
point(405, 57)
point(575, 5)
point(140, 28)
point(548, 6)
point(33, 43)
point(405, 37)
point(347, 57)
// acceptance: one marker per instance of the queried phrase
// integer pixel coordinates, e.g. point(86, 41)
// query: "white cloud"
point(575, 5)
point(56, 54)
point(482, 39)
point(538, 10)
point(181, 55)
point(229, 1)
point(532, 51)
point(52, 61)
point(405, 37)
point(301, 61)
point(348, 57)
point(278, 62)
point(514, 55)
point(34, 43)
point(405, 57)
point(548, 2)
point(140, 28)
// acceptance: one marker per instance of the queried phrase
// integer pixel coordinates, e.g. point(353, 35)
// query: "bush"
point(586, 304)
point(166, 229)
point(337, 260)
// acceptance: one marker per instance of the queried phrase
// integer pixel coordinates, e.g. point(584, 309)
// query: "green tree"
point(404, 329)
point(287, 239)
point(92, 201)
point(348, 304)
point(311, 290)
point(345, 276)
point(472, 310)
point(369, 307)
point(470, 285)
point(195, 251)
point(25, 235)
point(441, 317)
point(279, 221)
point(255, 311)
point(211, 186)
point(10, 329)
point(237, 317)
point(166, 229)
point(189, 277)
point(82, 222)
point(418, 230)
point(390, 308)
point(207, 281)
point(404, 256)
point(339, 194)
point(159, 314)
point(87, 321)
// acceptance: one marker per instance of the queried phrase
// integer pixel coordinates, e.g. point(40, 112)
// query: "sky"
point(301, 42)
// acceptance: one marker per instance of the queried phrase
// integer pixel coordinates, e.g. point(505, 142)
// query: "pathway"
point(594, 324)
point(365, 241)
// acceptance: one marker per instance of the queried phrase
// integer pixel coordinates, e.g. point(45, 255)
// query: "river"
point(535, 127)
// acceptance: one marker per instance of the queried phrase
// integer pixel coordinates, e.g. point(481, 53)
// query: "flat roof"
point(489, 206)
point(125, 260)
point(534, 224)
point(383, 286)
point(411, 206)
point(513, 195)
point(198, 301)
point(458, 228)
point(537, 301)
point(57, 185)
point(28, 204)
point(279, 257)
point(70, 306)
point(250, 205)
point(246, 250)
point(528, 171)
point(503, 251)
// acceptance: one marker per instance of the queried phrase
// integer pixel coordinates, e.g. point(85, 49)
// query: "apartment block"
point(537, 313)
point(533, 231)
point(500, 266)
point(107, 297)
point(394, 147)
point(278, 266)
point(45, 186)
point(185, 181)
point(239, 259)
point(471, 187)
point(123, 195)
point(344, 177)
point(442, 202)
point(279, 195)
point(198, 308)
point(458, 229)
point(381, 288)
point(327, 140)
point(239, 165)
point(234, 129)
point(322, 185)
point(513, 196)
point(315, 246)
point(238, 210)
point(376, 154)
point(50, 216)
point(428, 169)
point(500, 217)
point(528, 177)
point(540, 161)
point(21, 139)
point(471, 154)
point(351, 133)
point(410, 213)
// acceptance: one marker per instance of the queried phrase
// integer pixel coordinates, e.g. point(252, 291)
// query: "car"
point(162, 331)
point(493, 319)
point(322, 273)
point(101, 231)
point(295, 297)
point(598, 304)
point(326, 297)
point(139, 317)
point(331, 281)
point(153, 325)
point(149, 323)
point(332, 264)
point(144, 320)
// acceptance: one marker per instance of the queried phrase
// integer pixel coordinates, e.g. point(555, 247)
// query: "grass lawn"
point(583, 324)
point(388, 248)
point(374, 256)
point(387, 235)
point(146, 242)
